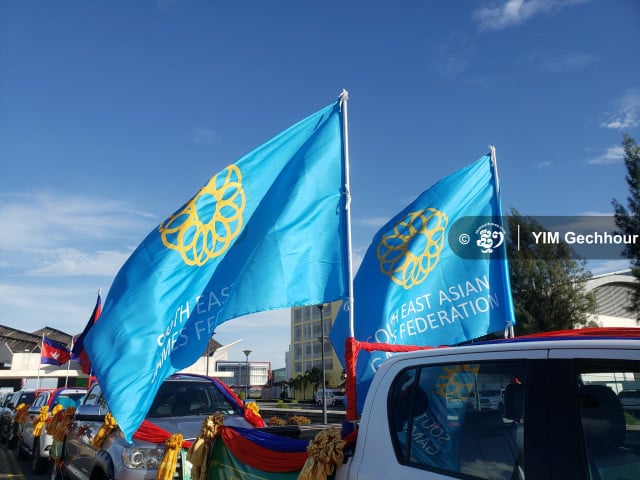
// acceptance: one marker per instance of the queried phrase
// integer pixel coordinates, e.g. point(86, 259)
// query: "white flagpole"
point(66, 380)
point(508, 329)
point(40, 362)
point(494, 164)
point(344, 96)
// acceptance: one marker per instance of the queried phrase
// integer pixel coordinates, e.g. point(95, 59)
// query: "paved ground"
point(10, 469)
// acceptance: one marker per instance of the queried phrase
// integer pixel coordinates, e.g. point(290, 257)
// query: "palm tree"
point(295, 384)
point(315, 377)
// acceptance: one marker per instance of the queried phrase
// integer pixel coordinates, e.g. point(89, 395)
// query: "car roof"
point(592, 338)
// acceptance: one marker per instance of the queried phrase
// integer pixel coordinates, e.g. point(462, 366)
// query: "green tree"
point(628, 218)
point(547, 281)
point(315, 377)
point(296, 384)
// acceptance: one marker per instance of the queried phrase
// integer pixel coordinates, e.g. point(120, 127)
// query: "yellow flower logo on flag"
point(411, 249)
point(210, 221)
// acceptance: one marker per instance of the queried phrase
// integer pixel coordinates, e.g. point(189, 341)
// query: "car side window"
point(610, 418)
point(461, 418)
point(94, 396)
point(40, 401)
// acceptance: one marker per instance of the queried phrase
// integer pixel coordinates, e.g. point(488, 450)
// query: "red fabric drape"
point(253, 418)
point(352, 348)
point(588, 332)
point(259, 457)
point(148, 432)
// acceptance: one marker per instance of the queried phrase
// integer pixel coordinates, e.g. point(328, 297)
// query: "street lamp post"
point(246, 388)
point(324, 379)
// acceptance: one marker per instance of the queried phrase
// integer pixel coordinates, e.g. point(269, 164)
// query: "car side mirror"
point(90, 412)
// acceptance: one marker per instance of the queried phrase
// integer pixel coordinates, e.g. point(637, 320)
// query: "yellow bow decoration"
point(21, 413)
point(39, 421)
point(59, 423)
point(168, 464)
point(324, 454)
point(253, 406)
point(104, 431)
point(198, 453)
point(56, 409)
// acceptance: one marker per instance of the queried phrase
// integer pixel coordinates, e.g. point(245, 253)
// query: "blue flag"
point(436, 274)
point(267, 232)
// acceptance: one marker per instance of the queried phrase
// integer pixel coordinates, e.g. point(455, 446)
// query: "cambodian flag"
point(54, 353)
point(78, 353)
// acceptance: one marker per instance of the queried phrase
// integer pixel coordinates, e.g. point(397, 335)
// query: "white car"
point(562, 417)
point(39, 447)
point(334, 397)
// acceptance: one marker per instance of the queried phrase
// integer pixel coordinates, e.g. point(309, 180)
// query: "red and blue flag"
point(78, 352)
point(53, 352)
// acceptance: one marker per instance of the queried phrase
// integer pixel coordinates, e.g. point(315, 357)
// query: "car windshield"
point(178, 398)
point(26, 398)
point(69, 399)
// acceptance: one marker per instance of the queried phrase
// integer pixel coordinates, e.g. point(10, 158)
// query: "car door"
point(27, 429)
point(590, 433)
point(79, 452)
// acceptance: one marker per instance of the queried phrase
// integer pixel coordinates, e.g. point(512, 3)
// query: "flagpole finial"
point(343, 97)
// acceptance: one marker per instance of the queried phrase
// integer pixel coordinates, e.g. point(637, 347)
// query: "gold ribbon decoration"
point(253, 406)
point(21, 413)
point(198, 453)
point(39, 421)
point(59, 424)
point(105, 429)
point(324, 452)
point(167, 467)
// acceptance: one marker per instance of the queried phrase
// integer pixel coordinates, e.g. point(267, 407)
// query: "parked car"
point(9, 429)
point(181, 404)
point(39, 447)
point(630, 400)
point(6, 416)
point(334, 397)
point(492, 400)
point(562, 415)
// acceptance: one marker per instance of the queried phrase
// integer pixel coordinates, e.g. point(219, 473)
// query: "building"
point(307, 335)
point(20, 354)
point(613, 293)
point(245, 376)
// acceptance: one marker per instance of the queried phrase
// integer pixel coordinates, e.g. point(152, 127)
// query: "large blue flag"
point(264, 233)
point(435, 274)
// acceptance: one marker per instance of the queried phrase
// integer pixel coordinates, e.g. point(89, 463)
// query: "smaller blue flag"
point(267, 232)
point(436, 274)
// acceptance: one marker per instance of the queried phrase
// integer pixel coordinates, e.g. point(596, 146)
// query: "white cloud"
point(608, 266)
point(376, 222)
point(511, 13)
point(51, 220)
point(73, 262)
point(206, 135)
point(51, 234)
point(60, 305)
point(454, 55)
point(627, 111)
point(544, 164)
point(612, 155)
point(568, 62)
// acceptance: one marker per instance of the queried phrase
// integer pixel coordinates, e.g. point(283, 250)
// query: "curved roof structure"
point(613, 293)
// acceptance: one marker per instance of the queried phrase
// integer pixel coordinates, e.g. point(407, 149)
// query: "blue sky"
point(113, 114)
